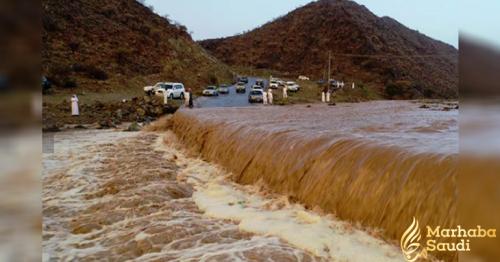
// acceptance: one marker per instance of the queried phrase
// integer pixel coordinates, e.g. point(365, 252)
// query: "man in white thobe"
point(285, 95)
point(74, 106)
point(186, 98)
point(264, 97)
point(270, 96)
point(165, 97)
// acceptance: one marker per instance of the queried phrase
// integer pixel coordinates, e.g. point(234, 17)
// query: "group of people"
point(328, 90)
point(267, 97)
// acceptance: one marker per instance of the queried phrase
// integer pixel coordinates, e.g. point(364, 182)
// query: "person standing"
point(323, 93)
point(270, 96)
point(190, 103)
point(264, 97)
point(74, 106)
point(285, 95)
point(165, 97)
point(186, 97)
point(328, 94)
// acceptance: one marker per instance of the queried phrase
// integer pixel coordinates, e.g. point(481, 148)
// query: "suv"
point(241, 87)
point(210, 91)
point(292, 86)
point(243, 79)
point(150, 90)
point(273, 84)
point(256, 96)
point(223, 89)
point(260, 83)
point(172, 90)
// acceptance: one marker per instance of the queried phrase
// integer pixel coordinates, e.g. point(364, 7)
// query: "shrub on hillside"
point(69, 83)
point(402, 90)
point(90, 71)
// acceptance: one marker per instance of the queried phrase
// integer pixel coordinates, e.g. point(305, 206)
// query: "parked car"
point(173, 90)
point(257, 87)
point(304, 78)
point(223, 89)
point(334, 84)
point(150, 90)
point(243, 79)
point(256, 96)
point(281, 83)
point(210, 91)
point(260, 83)
point(292, 86)
point(241, 87)
point(273, 84)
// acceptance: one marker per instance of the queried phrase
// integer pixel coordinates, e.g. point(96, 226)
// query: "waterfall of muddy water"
point(138, 196)
point(378, 164)
point(123, 196)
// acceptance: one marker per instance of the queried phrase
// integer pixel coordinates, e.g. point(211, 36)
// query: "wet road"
point(232, 99)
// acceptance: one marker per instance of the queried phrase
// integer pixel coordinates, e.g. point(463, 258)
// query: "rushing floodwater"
point(378, 164)
point(115, 195)
point(283, 183)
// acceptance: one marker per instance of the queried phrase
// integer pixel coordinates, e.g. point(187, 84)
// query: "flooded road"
point(110, 195)
point(232, 99)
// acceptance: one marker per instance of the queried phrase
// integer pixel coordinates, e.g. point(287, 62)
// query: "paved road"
point(232, 99)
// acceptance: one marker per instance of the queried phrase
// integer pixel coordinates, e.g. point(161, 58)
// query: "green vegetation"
point(310, 92)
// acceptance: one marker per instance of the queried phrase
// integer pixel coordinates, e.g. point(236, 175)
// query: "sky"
point(439, 19)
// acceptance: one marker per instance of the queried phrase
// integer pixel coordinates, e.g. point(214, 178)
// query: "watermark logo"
point(439, 239)
point(410, 243)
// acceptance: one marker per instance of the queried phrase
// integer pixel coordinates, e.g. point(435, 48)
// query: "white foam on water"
point(322, 235)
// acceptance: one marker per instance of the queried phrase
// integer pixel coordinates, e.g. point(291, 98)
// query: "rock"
point(134, 127)
point(424, 106)
point(51, 127)
point(119, 114)
point(140, 112)
point(105, 124)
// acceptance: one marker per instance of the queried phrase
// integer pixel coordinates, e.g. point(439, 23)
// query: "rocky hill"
point(107, 45)
point(376, 51)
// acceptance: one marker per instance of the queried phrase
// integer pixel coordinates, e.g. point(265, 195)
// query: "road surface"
point(232, 99)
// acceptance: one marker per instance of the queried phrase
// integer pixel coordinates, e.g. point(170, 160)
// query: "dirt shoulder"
point(108, 114)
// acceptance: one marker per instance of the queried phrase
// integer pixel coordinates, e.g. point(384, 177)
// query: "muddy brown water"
point(114, 196)
point(378, 164)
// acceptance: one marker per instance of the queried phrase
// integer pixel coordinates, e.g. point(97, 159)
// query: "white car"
point(273, 84)
point(292, 86)
point(210, 91)
point(304, 78)
point(172, 90)
point(256, 96)
point(149, 90)
point(257, 87)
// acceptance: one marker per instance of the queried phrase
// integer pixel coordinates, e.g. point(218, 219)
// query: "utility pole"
point(329, 65)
